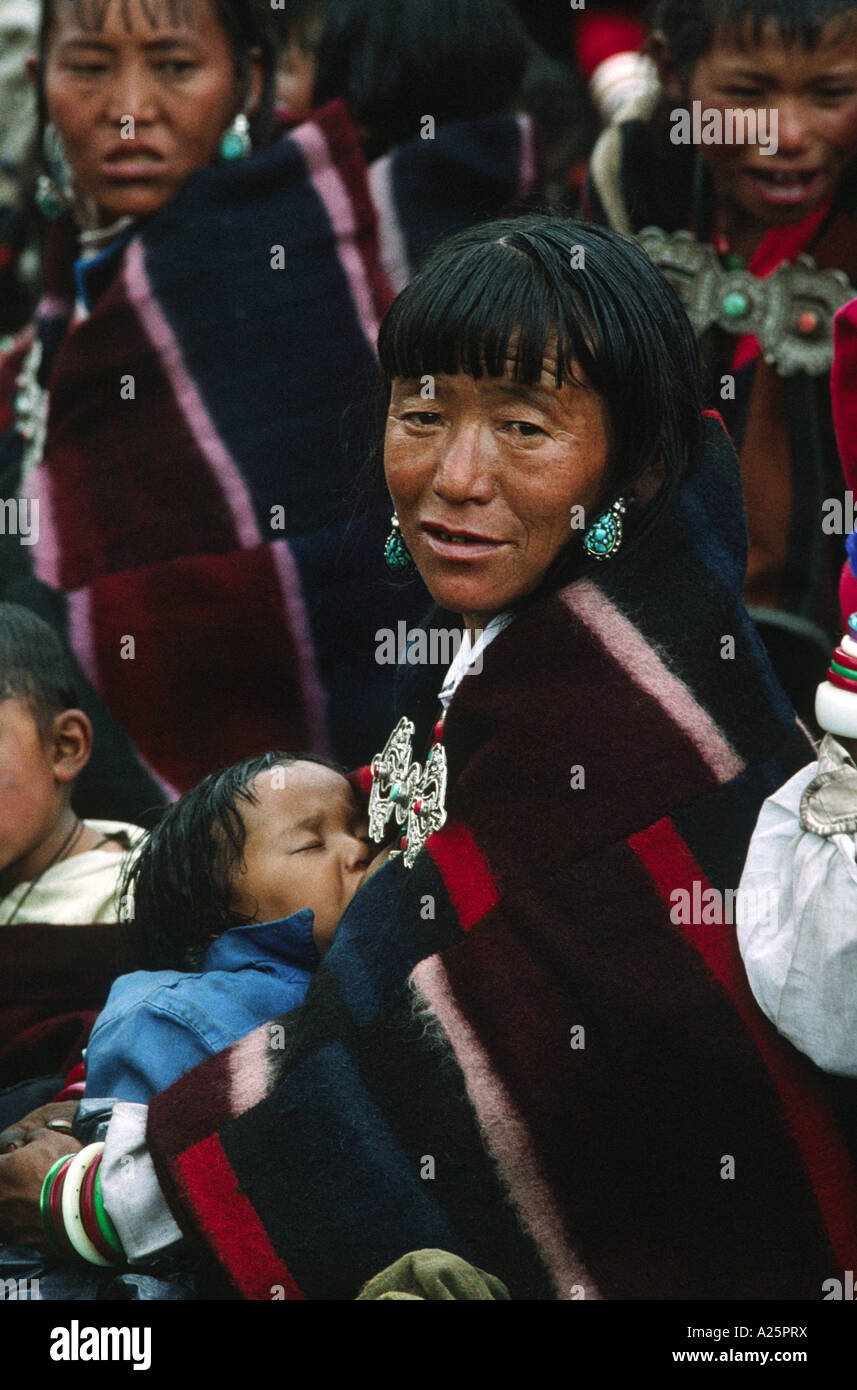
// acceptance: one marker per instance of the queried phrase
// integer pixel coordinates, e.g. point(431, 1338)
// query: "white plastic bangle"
point(836, 710)
point(71, 1218)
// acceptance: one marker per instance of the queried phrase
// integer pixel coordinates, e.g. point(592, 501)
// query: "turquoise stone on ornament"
point(735, 305)
point(603, 536)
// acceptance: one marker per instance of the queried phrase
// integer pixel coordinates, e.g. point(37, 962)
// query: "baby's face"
point(307, 845)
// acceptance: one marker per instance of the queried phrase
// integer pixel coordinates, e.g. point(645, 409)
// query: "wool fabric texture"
point(196, 492)
point(434, 1092)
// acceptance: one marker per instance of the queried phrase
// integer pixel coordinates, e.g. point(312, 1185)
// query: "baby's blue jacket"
point(158, 1024)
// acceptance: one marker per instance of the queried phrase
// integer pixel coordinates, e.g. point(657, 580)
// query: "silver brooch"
point(31, 410)
point(791, 311)
point(415, 795)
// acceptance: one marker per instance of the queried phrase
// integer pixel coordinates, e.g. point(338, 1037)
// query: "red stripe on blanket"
point(671, 865)
point(231, 1226)
point(465, 873)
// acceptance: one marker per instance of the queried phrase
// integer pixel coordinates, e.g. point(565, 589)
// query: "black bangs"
point(691, 26)
point(490, 310)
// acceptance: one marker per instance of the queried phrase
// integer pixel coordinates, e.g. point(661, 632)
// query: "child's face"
point(307, 845)
point(814, 92)
point(29, 798)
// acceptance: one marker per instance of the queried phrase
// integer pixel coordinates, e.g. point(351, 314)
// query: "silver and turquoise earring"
point(396, 553)
point(236, 142)
point(53, 188)
point(604, 536)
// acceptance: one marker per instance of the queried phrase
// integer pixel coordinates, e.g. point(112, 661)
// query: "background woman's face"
point(176, 80)
point(484, 478)
point(814, 93)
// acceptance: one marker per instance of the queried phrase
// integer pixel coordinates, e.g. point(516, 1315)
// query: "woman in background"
point(175, 412)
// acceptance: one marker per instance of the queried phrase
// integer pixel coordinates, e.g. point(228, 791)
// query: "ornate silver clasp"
point(414, 795)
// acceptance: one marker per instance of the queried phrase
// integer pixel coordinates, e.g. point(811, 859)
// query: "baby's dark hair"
point(690, 26)
point(180, 879)
point(34, 665)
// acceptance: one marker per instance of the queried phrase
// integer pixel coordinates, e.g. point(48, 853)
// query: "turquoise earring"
point(53, 188)
point(236, 142)
point(396, 553)
point(604, 536)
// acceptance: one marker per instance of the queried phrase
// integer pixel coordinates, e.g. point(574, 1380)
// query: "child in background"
point(733, 213)
point(58, 874)
point(237, 894)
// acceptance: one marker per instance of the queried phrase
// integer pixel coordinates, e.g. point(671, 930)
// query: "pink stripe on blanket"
point(202, 427)
point(641, 664)
point(37, 487)
point(527, 173)
point(393, 252)
point(334, 195)
point(248, 1062)
point(506, 1137)
point(311, 687)
point(50, 306)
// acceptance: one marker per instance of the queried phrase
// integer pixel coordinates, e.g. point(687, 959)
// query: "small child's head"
point(795, 60)
point(257, 842)
point(45, 740)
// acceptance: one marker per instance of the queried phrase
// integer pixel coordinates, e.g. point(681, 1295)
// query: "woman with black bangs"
point(174, 418)
point(521, 1049)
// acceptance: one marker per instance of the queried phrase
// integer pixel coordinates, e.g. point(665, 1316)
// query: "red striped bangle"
point(55, 1209)
point(87, 1212)
point(843, 658)
point(843, 682)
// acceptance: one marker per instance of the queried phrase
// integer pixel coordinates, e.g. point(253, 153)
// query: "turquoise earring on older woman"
point(396, 552)
point(236, 142)
point(604, 536)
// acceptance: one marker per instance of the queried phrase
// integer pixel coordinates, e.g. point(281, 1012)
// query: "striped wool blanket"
point(521, 1051)
point(202, 538)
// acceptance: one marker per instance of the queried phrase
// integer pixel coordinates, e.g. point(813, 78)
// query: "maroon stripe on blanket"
point(170, 492)
point(566, 772)
point(663, 1062)
point(219, 620)
point(671, 865)
point(465, 873)
point(348, 159)
point(230, 1224)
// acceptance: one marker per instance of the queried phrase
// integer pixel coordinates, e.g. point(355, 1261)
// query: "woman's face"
point(485, 479)
point(140, 106)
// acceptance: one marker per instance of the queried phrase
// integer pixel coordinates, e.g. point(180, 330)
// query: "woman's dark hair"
point(181, 878)
point(247, 23)
point(396, 61)
point(523, 288)
point(690, 25)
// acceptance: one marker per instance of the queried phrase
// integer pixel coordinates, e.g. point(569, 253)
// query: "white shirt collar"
point(467, 659)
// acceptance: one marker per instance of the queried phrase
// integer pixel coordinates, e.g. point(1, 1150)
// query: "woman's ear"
point(658, 49)
point(646, 487)
point(71, 737)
